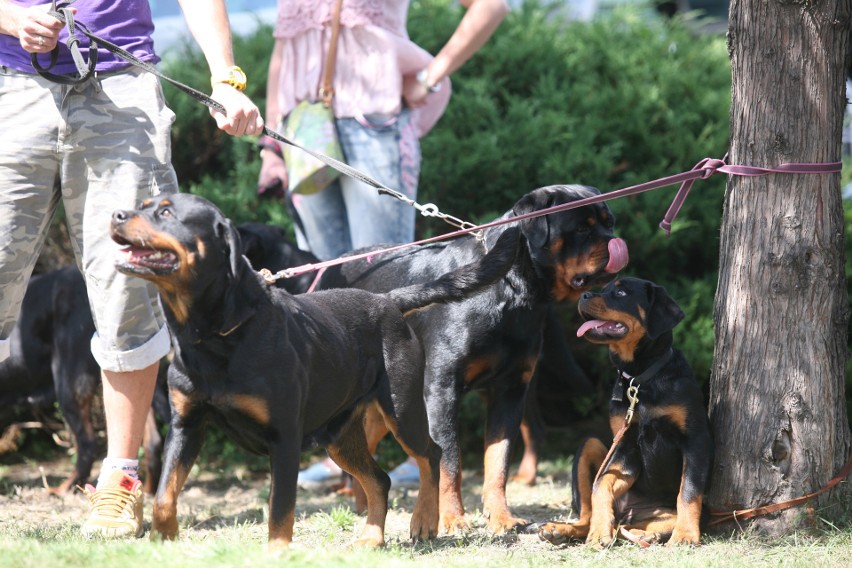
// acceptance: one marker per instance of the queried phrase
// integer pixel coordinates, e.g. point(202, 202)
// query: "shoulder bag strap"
point(326, 91)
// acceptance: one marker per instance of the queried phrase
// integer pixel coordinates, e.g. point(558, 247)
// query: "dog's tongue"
point(591, 324)
point(617, 256)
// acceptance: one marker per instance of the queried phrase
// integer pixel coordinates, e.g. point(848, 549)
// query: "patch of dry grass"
point(222, 522)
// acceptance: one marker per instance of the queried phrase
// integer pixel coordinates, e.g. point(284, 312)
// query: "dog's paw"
point(601, 535)
point(688, 537)
point(371, 536)
point(453, 524)
point(500, 524)
point(560, 533)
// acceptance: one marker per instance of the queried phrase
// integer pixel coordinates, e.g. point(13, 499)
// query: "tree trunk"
point(777, 386)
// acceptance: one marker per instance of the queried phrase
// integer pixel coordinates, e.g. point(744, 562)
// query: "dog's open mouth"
point(602, 329)
point(143, 260)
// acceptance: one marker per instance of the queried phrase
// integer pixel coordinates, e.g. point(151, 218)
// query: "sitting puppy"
point(283, 373)
point(653, 481)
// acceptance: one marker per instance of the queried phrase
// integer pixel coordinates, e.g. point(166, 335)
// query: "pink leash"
point(703, 170)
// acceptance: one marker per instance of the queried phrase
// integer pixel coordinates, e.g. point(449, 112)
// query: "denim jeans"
point(350, 214)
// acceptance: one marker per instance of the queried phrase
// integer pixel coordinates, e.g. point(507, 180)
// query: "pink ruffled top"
point(373, 54)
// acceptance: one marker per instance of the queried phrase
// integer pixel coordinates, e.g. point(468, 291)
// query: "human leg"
point(386, 148)
point(324, 224)
point(28, 189)
point(131, 337)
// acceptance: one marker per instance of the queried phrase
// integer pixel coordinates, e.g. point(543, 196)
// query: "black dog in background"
point(51, 360)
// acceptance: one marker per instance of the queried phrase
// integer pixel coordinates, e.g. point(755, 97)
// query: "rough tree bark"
point(777, 385)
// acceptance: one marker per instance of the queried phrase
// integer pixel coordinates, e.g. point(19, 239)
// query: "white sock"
point(129, 467)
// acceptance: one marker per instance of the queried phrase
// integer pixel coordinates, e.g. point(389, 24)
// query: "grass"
point(223, 523)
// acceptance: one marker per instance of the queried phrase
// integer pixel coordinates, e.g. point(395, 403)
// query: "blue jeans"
point(350, 214)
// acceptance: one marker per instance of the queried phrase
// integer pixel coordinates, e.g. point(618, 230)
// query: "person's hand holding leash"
point(37, 31)
point(243, 115)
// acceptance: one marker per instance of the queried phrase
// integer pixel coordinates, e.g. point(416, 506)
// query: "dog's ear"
point(537, 229)
point(231, 237)
point(663, 312)
point(237, 306)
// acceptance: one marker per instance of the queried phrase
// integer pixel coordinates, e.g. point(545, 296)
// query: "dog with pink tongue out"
point(648, 486)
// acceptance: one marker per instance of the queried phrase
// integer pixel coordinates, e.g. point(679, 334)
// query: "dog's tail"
point(464, 281)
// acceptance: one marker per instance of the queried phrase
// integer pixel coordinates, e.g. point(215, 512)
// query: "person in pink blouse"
point(388, 93)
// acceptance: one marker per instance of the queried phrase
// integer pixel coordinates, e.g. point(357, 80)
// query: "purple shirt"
point(126, 23)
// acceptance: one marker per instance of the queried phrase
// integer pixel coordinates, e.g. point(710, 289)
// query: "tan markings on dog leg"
point(479, 367)
point(253, 406)
point(425, 516)
point(494, 504)
point(676, 413)
point(449, 502)
point(529, 462)
point(281, 533)
point(589, 462)
point(375, 429)
point(181, 402)
point(359, 465)
point(612, 484)
point(687, 529)
point(164, 524)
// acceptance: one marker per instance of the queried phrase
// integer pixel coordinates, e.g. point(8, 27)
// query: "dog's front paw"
point(452, 523)
point(424, 524)
point(690, 536)
point(601, 535)
point(505, 522)
point(560, 533)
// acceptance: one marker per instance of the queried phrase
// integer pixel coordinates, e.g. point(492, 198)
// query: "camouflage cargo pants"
point(97, 147)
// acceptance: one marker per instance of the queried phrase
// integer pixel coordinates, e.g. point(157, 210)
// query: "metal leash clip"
point(633, 397)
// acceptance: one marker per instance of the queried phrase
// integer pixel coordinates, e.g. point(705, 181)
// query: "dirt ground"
point(212, 500)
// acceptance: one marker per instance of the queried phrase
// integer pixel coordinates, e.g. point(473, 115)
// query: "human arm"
point(273, 179)
point(208, 22)
point(37, 31)
point(480, 20)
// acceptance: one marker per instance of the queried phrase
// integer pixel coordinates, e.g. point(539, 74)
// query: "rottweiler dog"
point(490, 343)
point(653, 481)
point(51, 360)
point(283, 373)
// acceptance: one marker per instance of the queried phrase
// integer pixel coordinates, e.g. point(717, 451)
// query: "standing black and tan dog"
point(490, 343)
point(654, 481)
point(283, 373)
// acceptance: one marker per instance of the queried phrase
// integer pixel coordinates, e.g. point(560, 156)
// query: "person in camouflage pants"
point(99, 145)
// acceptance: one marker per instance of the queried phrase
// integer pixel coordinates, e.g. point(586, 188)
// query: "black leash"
point(64, 14)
